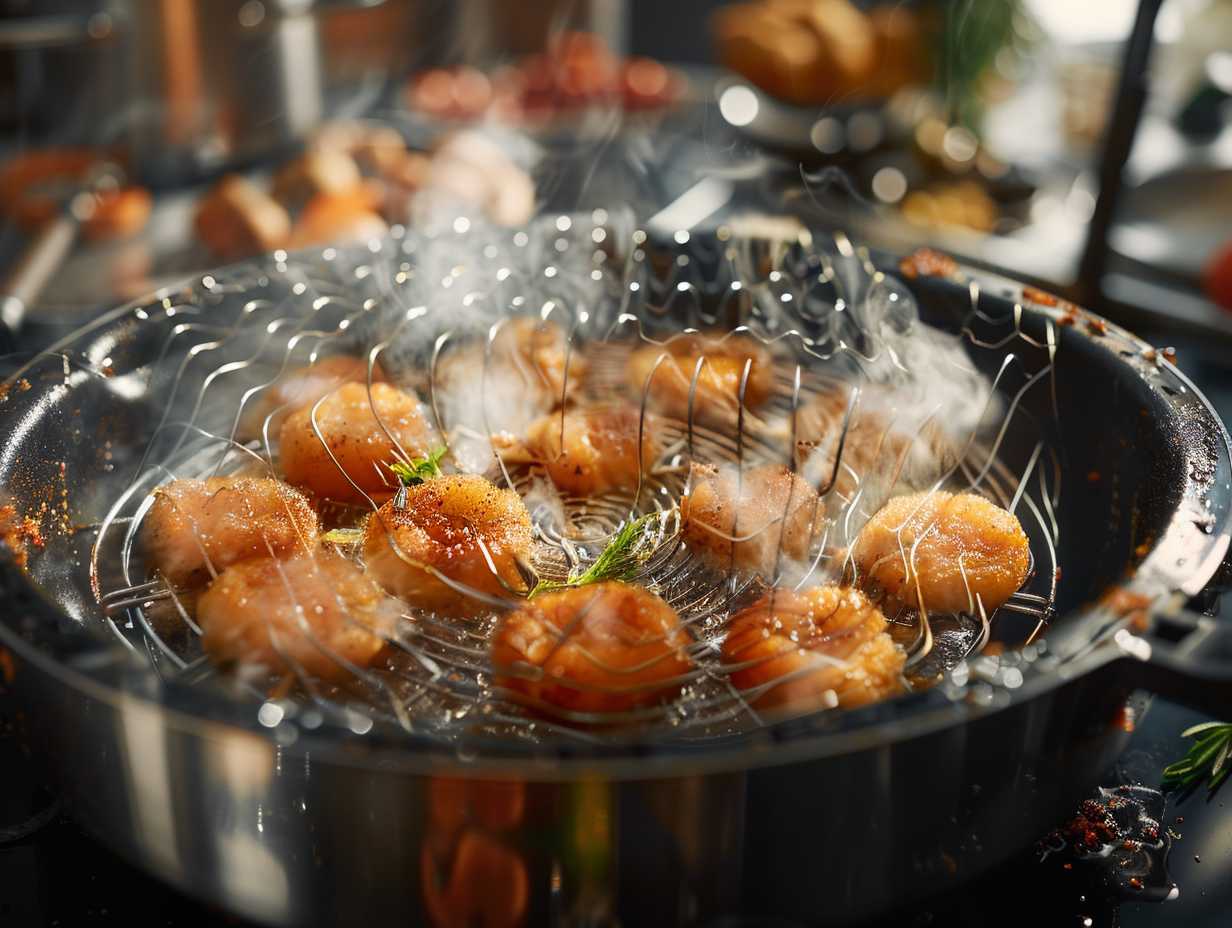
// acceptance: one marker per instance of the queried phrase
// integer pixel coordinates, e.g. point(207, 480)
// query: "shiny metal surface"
point(824, 818)
point(189, 88)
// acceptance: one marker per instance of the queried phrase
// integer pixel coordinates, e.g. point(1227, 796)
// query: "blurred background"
point(1085, 148)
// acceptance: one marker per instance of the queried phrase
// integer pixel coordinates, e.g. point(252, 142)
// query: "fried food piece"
point(718, 385)
point(740, 520)
point(354, 441)
point(528, 357)
point(593, 450)
point(951, 537)
point(824, 647)
point(198, 527)
point(318, 171)
point(237, 219)
point(447, 524)
point(808, 52)
point(310, 612)
point(537, 350)
point(875, 443)
point(341, 218)
point(303, 386)
point(609, 647)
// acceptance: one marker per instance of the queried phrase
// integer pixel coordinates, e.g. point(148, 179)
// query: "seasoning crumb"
point(18, 533)
point(1169, 354)
point(1135, 882)
point(925, 262)
point(1097, 326)
point(1093, 476)
point(1043, 297)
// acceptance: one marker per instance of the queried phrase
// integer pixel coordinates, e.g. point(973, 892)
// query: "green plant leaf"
point(1204, 726)
point(416, 471)
point(621, 559)
point(1207, 758)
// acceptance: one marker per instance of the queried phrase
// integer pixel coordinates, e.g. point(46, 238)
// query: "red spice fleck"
point(7, 668)
point(18, 533)
point(1135, 882)
point(1150, 354)
point(925, 262)
point(1056, 575)
point(1169, 355)
point(1043, 297)
point(1097, 326)
point(1093, 476)
point(1067, 866)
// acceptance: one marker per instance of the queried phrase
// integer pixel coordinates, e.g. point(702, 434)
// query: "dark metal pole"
point(1118, 140)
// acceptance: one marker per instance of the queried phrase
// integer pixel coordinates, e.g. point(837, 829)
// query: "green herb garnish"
point(1208, 759)
point(620, 560)
point(344, 536)
point(414, 472)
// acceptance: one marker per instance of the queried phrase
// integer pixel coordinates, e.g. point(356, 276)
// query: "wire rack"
point(819, 308)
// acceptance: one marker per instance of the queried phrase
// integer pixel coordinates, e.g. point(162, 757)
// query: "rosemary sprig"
point(1208, 759)
point(418, 470)
point(619, 560)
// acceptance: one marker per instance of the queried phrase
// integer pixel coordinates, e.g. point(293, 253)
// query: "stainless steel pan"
point(299, 813)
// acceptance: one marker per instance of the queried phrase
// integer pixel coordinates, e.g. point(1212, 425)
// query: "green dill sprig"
point(619, 560)
point(1209, 759)
point(418, 470)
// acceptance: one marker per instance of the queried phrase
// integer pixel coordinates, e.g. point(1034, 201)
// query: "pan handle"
point(1189, 662)
point(35, 268)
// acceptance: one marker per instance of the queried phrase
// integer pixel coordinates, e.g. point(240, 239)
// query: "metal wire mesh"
point(423, 305)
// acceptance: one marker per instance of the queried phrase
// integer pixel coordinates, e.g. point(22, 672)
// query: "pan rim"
point(897, 720)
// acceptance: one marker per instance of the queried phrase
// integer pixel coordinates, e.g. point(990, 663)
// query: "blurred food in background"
point(575, 71)
point(817, 52)
point(352, 181)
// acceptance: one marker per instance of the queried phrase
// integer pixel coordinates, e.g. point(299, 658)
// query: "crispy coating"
point(352, 441)
point(527, 351)
point(819, 648)
point(875, 444)
point(718, 385)
point(444, 521)
point(609, 647)
point(538, 349)
point(220, 521)
point(305, 612)
point(303, 386)
point(599, 451)
point(725, 512)
point(957, 534)
point(825, 647)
